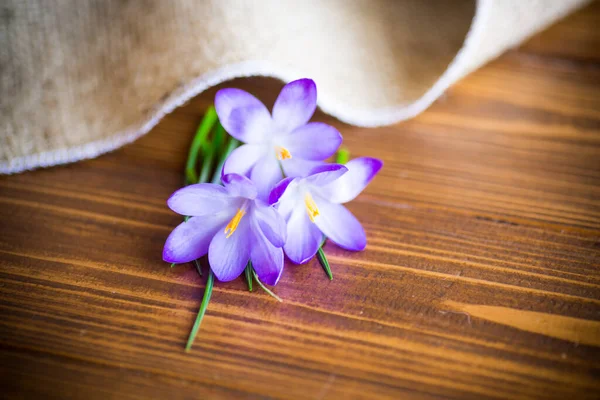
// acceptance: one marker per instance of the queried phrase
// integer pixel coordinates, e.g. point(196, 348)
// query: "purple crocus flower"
point(284, 137)
point(312, 207)
point(231, 225)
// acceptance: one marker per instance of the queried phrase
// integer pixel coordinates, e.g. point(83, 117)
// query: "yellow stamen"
point(233, 224)
point(311, 207)
point(282, 153)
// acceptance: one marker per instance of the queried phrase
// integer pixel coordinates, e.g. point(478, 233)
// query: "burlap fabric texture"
point(83, 77)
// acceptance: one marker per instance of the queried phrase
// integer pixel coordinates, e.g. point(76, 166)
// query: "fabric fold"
point(82, 77)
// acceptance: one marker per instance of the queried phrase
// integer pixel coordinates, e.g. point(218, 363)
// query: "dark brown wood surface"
point(481, 278)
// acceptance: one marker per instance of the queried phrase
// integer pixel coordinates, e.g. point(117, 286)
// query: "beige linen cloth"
point(83, 77)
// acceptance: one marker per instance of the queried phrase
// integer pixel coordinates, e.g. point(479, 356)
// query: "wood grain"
point(481, 278)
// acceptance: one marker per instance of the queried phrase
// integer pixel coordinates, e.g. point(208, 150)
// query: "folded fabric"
point(83, 77)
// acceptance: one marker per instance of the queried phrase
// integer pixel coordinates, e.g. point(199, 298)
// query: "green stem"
point(232, 145)
point(266, 289)
point(248, 272)
point(281, 169)
point(197, 143)
point(202, 311)
point(198, 267)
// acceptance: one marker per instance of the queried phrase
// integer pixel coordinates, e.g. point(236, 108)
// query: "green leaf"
point(210, 117)
point(264, 287)
point(324, 263)
point(206, 163)
point(231, 145)
point(202, 311)
point(172, 265)
point(342, 156)
point(248, 272)
point(219, 138)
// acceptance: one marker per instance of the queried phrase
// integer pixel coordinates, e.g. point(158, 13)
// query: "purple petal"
point(201, 199)
point(267, 260)
point(326, 173)
point(298, 167)
point(242, 159)
point(295, 105)
point(266, 174)
point(271, 224)
point(339, 225)
point(290, 199)
point(313, 141)
point(228, 256)
point(190, 240)
point(242, 115)
point(360, 172)
point(278, 190)
point(303, 237)
point(239, 186)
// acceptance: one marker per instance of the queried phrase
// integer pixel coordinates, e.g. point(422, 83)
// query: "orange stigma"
point(282, 153)
point(233, 224)
point(311, 207)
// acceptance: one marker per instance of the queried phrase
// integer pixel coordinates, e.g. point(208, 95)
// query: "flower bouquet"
point(272, 195)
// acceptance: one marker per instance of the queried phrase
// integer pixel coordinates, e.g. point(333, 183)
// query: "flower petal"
point(303, 237)
point(201, 199)
point(242, 115)
point(191, 239)
point(278, 190)
point(295, 105)
point(360, 172)
point(267, 259)
point(313, 141)
point(239, 186)
point(266, 174)
point(242, 159)
point(228, 256)
point(326, 173)
point(290, 199)
point(298, 167)
point(271, 224)
point(339, 225)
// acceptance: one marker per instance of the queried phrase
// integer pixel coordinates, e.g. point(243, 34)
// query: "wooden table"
point(481, 278)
